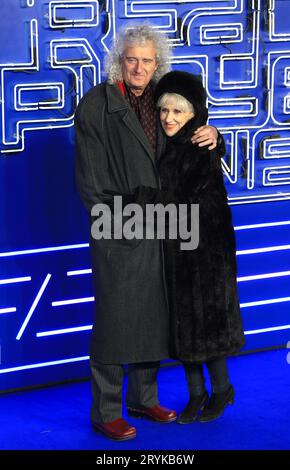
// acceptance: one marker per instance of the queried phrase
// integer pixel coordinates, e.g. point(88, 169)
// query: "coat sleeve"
point(195, 176)
point(147, 195)
point(221, 146)
point(91, 163)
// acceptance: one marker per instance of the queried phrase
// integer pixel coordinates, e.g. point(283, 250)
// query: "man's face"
point(138, 66)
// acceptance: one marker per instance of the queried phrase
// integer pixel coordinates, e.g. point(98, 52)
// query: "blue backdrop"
point(51, 53)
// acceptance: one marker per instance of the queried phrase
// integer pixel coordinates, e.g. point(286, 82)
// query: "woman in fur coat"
point(206, 321)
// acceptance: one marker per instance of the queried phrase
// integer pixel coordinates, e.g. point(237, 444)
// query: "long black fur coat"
point(206, 321)
point(202, 289)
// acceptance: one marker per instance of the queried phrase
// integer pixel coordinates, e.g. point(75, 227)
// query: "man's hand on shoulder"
point(205, 136)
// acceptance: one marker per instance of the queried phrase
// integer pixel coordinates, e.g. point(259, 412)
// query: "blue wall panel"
point(52, 52)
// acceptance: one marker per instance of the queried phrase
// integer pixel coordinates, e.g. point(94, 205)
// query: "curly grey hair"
point(138, 34)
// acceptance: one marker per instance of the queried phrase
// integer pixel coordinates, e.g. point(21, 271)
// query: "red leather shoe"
point(118, 430)
point(157, 413)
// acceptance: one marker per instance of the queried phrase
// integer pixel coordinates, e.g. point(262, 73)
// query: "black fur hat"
point(184, 84)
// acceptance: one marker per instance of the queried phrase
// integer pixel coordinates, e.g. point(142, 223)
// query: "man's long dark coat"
point(113, 153)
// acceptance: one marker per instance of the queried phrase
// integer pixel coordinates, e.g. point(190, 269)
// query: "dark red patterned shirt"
point(145, 109)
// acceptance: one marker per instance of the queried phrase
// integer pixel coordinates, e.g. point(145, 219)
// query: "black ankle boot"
point(216, 405)
point(190, 412)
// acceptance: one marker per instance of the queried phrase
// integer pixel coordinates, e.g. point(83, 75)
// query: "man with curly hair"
point(119, 141)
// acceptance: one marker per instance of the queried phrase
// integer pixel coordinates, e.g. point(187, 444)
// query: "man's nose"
point(138, 67)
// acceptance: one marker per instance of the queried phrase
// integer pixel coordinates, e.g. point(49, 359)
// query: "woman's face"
point(172, 119)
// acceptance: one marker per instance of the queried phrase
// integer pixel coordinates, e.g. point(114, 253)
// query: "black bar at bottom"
point(124, 459)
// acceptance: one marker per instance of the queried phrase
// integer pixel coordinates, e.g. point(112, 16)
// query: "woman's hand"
point(205, 135)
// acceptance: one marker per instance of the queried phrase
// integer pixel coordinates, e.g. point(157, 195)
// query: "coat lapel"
point(161, 141)
point(117, 103)
point(131, 121)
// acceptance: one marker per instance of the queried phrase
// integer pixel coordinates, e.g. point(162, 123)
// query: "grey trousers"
point(107, 389)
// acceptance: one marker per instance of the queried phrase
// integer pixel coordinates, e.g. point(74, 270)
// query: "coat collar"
point(116, 103)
